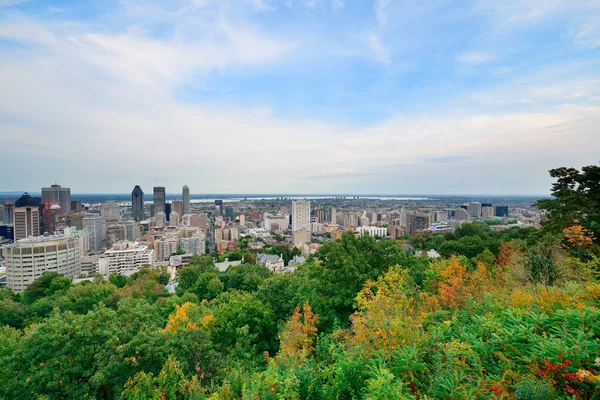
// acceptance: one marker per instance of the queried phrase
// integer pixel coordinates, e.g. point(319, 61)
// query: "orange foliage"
point(452, 291)
point(297, 336)
point(579, 237)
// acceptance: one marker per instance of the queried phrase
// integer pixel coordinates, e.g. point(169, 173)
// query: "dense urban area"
point(168, 296)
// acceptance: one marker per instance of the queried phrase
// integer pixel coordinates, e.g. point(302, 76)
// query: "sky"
point(298, 96)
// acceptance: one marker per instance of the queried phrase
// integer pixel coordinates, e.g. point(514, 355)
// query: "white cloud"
point(475, 57)
point(381, 12)
point(379, 50)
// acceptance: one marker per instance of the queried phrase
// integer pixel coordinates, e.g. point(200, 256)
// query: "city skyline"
point(307, 96)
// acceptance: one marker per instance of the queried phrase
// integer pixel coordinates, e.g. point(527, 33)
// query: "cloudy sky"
point(298, 96)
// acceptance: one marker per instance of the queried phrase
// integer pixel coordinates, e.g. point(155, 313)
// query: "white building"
point(83, 237)
point(276, 222)
point(474, 209)
point(272, 262)
point(110, 210)
point(193, 245)
point(174, 218)
point(89, 264)
point(488, 212)
point(160, 219)
point(93, 224)
point(165, 248)
point(372, 231)
point(125, 258)
point(27, 259)
point(300, 215)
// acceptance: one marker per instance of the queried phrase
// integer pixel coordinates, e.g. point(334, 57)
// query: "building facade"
point(137, 202)
point(26, 222)
point(58, 193)
point(93, 224)
point(159, 199)
point(27, 259)
point(301, 215)
point(185, 194)
point(125, 259)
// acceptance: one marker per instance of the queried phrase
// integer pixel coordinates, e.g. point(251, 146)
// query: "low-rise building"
point(125, 258)
point(273, 262)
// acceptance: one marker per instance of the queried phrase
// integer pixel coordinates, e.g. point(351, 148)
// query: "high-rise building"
point(160, 220)
point(27, 259)
point(193, 245)
point(242, 220)
point(110, 210)
point(474, 209)
point(159, 199)
point(76, 205)
point(301, 215)
point(9, 210)
point(58, 193)
point(196, 220)
point(186, 201)
point(177, 206)
point(501, 211)
point(229, 212)
point(320, 214)
point(418, 222)
point(174, 218)
point(93, 224)
point(26, 222)
point(461, 214)
point(487, 212)
point(219, 205)
point(51, 211)
point(164, 248)
point(71, 219)
point(333, 215)
point(168, 211)
point(137, 202)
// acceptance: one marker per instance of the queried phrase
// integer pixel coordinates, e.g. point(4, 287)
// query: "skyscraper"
point(159, 199)
point(58, 193)
point(474, 209)
point(27, 222)
point(93, 224)
point(300, 215)
point(177, 206)
point(186, 200)
point(137, 202)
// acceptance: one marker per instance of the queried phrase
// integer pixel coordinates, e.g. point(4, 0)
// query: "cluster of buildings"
point(56, 233)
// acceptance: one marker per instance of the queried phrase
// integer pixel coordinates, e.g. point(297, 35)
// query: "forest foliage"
point(512, 314)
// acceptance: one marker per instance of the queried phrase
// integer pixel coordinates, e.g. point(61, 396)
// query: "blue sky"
point(298, 96)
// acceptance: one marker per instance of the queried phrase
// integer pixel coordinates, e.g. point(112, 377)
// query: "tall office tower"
point(51, 211)
point(168, 211)
point(60, 194)
point(177, 206)
point(27, 222)
point(242, 220)
point(474, 209)
point(9, 210)
point(159, 199)
point(219, 204)
point(93, 224)
point(137, 202)
point(110, 210)
point(186, 201)
point(229, 212)
point(27, 259)
point(333, 215)
point(1, 212)
point(300, 215)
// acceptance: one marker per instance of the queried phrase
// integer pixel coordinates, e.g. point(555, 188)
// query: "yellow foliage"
point(179, 318)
